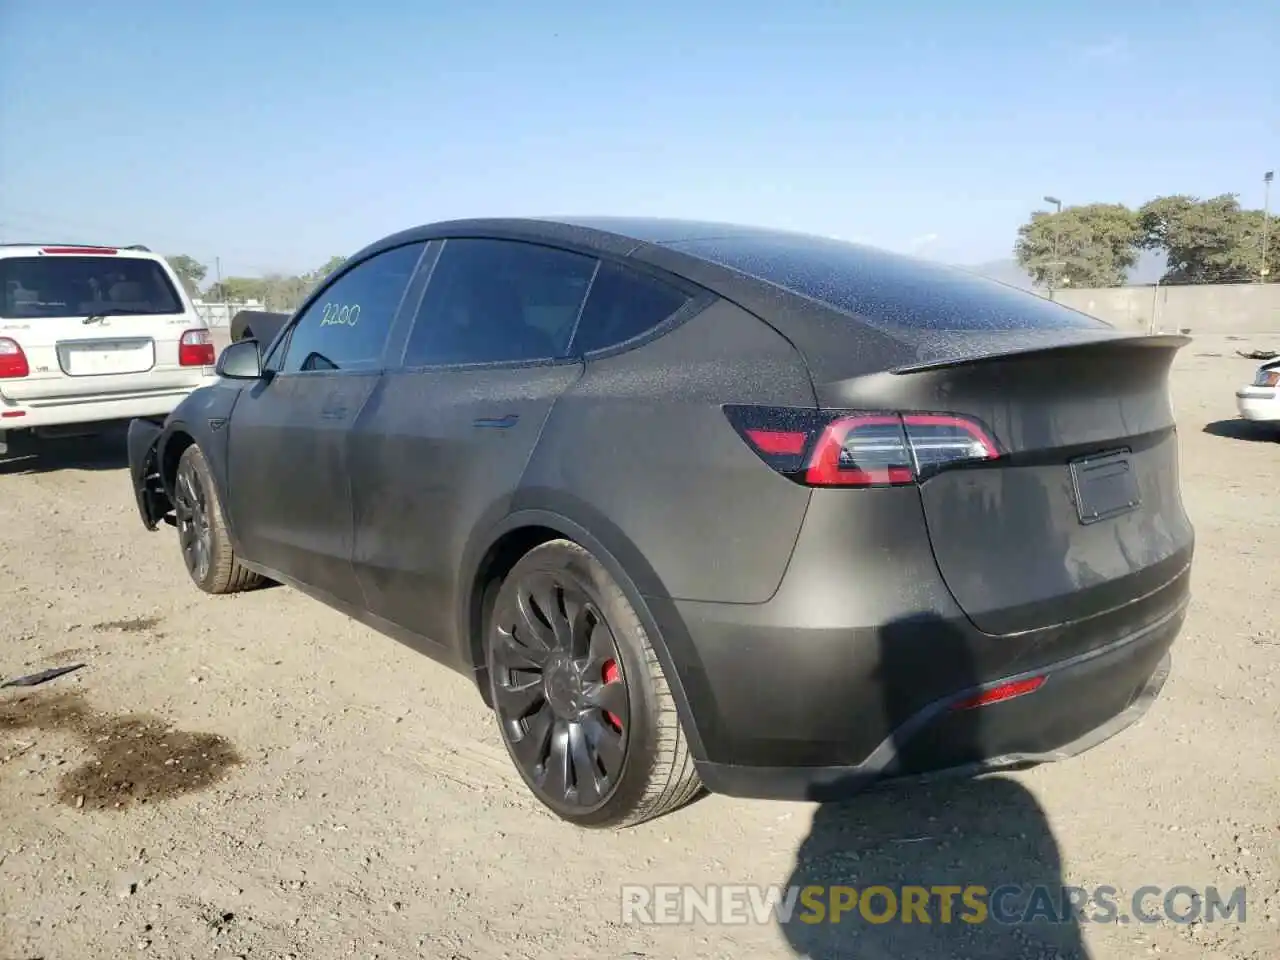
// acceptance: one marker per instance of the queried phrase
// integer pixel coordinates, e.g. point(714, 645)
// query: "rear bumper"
point(63, 411)
point(1258, 403)
point(849, 673)
point(1082, 703)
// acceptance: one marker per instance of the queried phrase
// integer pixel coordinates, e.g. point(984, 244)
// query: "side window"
point(493, 301)
point(623, 304)
point(346, 327)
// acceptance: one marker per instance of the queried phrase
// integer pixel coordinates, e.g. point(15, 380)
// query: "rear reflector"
point(87, 251)
point(13, 362)
point(777, 441)
point(1006, 691)
point(12, 414)
point(880, 449)
point(195, 349)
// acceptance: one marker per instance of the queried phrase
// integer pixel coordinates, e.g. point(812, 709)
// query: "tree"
point(237, 290)
point(311, 279)
point(284, 293)
point(329, 266)
point(277, 291)
point(189, 270)
point(1088, 246)
point(1207, 241)
point(1252, 233)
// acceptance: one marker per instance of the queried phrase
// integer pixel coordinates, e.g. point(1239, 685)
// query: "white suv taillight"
point(13, 362)
point(195, 349)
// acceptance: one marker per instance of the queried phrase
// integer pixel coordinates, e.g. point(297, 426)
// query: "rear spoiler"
point(984, 349)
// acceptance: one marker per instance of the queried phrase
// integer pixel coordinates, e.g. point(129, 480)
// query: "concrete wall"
point(1238, 308)
point(220, 314)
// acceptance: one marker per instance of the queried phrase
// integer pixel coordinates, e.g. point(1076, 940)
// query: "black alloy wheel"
point(582, 702)
point(560, 694)
point(195, 531)
point(207, 552)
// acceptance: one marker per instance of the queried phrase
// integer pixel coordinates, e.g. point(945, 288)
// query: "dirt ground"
point(258, 777)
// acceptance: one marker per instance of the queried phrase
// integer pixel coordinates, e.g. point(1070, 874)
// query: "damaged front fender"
point(144, 470)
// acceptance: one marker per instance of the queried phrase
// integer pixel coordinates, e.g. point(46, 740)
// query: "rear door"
point(287, 463)
point(441, 446)
point(93, 321)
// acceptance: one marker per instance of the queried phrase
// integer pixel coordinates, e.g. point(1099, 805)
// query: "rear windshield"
point(77, 286)
point(884, 289)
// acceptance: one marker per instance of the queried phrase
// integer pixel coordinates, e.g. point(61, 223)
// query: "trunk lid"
point(1082, 512)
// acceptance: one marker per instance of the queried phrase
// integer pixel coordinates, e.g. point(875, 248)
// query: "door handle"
point(333, 413)
point(508, 421)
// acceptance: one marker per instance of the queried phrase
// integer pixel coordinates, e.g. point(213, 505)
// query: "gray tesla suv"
point(702, 504)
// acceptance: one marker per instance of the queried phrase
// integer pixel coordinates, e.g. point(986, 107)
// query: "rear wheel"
point(582, 703)
point(206, 547)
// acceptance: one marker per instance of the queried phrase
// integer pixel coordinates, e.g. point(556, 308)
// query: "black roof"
point(666, 230)
point(800, 280)
point(602, 232)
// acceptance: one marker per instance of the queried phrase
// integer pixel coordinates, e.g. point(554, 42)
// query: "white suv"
point(93, 334)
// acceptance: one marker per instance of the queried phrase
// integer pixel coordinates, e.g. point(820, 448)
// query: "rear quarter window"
point(623, 305)
point(885, 290)
point(70, 286)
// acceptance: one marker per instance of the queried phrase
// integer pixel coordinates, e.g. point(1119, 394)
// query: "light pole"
point(1266, 221)
point(1053, 275)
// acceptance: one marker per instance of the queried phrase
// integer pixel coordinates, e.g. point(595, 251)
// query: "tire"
point(581, 700)
point(202, 534)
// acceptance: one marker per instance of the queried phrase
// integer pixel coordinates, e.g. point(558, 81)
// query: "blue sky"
point(271, 135)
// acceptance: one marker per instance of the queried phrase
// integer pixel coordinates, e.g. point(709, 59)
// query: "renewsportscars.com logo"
point(971, 904)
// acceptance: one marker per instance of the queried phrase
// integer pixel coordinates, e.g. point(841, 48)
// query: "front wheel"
point(202, 534)
point(582, 703)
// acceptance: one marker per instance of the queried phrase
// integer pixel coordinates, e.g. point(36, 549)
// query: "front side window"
point(623, 305)
point(346, 326)
point(499, 301)
point(78, 286)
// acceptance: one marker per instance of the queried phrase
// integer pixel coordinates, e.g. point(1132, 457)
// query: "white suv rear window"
point(75, 286)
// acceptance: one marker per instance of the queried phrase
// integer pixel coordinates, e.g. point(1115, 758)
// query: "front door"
point(445, 439)
point(288, 465)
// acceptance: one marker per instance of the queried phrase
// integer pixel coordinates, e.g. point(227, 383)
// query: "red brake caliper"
point(608, 675)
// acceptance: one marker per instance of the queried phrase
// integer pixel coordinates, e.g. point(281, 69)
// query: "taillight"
point(195, 349)
point(875, 449)
point(13, 362)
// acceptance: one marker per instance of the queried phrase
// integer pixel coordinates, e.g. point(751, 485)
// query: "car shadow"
point(960, 833)
point(1240, 429)
point(103, 451)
